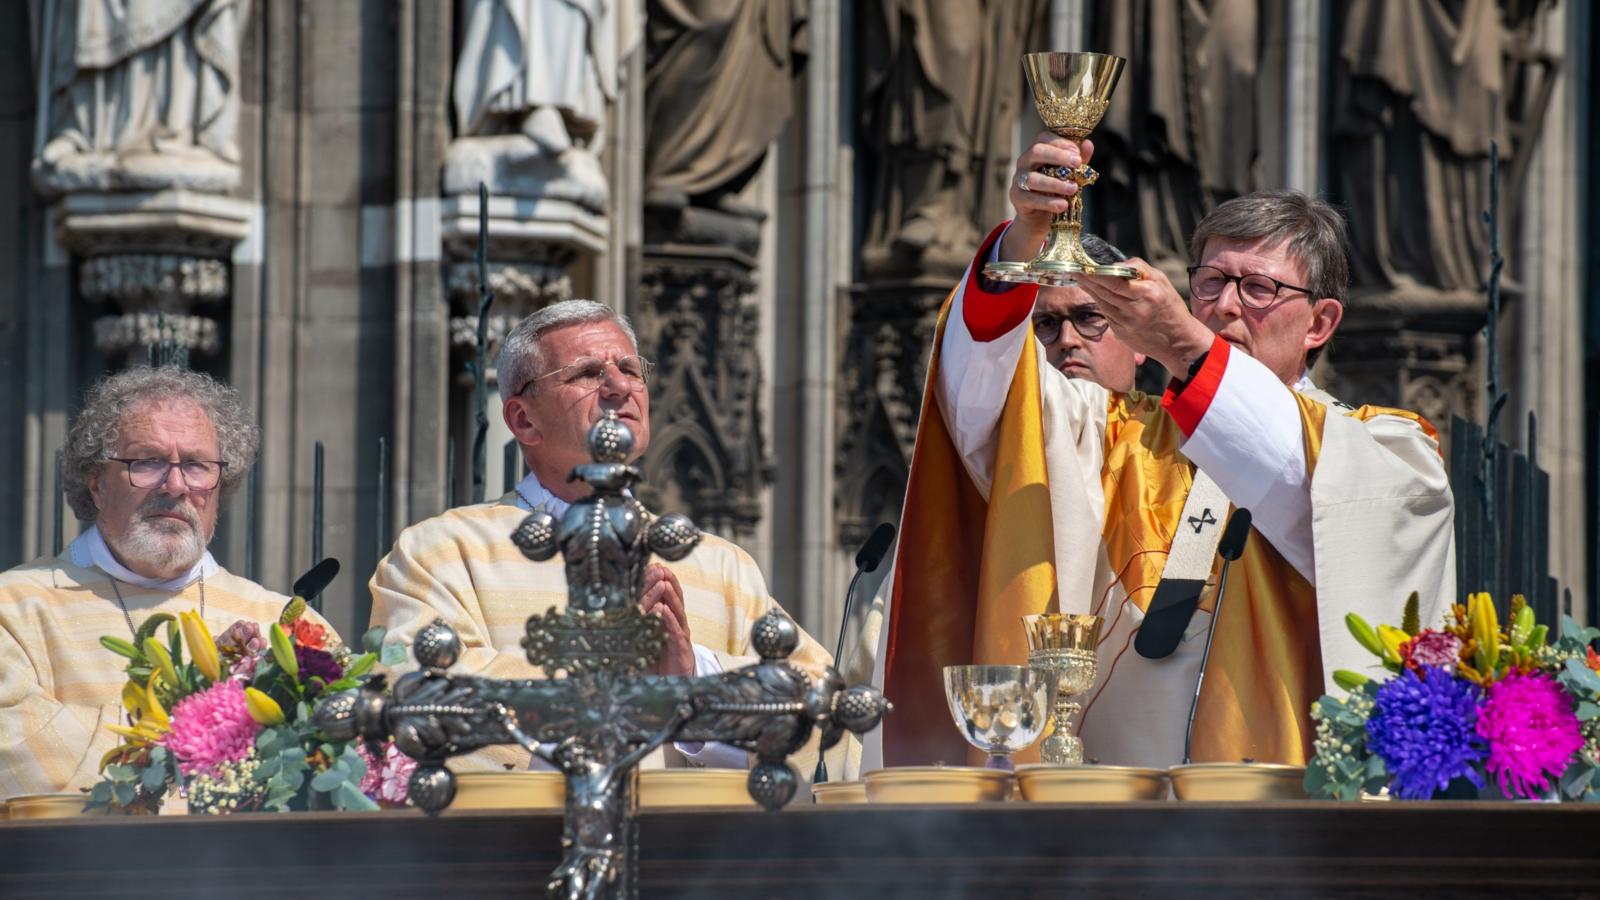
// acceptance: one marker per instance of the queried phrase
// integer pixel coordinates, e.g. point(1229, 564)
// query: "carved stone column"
point(698, 321)
point(154, 267)
point(532, 248)
point(1411, 352)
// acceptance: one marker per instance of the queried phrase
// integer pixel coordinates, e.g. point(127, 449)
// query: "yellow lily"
point(153, 710)
point(133, 698)
point(1392, 638)
point(263, 708)
point(1485, 625)
point(142, 733)
point(202, 648)
point(158, 654)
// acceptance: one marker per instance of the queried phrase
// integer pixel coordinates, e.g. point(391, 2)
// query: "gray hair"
point(521, 360)
point(107, 405)
point(1314, 230)
point(1100, 250)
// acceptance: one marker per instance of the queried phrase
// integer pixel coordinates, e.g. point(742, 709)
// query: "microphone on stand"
point(867, 560)
point(1230, 548)
point(309, 587)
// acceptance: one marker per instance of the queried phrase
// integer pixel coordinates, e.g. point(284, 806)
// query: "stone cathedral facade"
point(779, 192)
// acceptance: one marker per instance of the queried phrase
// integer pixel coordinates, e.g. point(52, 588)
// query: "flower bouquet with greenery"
point(1471, 709)
point(230, 725)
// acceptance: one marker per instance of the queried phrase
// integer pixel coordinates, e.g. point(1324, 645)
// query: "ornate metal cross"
point(598, 713)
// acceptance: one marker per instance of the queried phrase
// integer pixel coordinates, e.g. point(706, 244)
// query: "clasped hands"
point(1147, 313)
point(663, 597)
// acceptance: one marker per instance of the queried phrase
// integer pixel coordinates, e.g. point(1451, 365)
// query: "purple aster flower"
point(316, 664)
point(1532, 732)
point(1423, 725)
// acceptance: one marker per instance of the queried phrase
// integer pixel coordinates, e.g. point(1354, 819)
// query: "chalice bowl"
point(1071, 92)
point(999, 709)
point(1064, 644)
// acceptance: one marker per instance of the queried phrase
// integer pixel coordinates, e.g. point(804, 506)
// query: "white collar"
point(1303, 383)
point(532, 495)
point(90, 549)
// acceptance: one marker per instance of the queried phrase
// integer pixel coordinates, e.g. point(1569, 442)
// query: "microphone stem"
point(821, 774)
point(1205, 657)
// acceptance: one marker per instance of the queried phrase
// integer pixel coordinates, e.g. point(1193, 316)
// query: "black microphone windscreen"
point(315, 581)
point(1234, 535)
point(877, 544)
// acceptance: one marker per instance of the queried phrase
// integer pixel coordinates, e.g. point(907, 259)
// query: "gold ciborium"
point(1064, 644)
point(1071, 92)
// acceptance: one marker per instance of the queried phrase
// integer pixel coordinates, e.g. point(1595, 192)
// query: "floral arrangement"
point(230, 726)
point(1471, 709)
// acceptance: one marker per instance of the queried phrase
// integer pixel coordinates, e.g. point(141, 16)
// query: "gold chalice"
point(1064, 644)
point(1071, 92)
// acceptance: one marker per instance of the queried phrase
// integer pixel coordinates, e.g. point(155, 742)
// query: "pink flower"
point(241, 647)
point(1432, 648)
point(1532, 732)
point(386, 780)
point(210, 727)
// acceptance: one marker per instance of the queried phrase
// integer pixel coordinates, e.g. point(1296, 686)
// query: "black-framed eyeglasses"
point(1256, 291)
point(1086, 320)
point(198, 474)
point(588, 373)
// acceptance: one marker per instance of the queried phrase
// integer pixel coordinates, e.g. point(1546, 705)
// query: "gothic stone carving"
point(697, 321)
point(153, 266)
point(885, 365)
point(1424, 360)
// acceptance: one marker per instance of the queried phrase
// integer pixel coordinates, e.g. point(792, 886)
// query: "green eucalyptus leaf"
point(154, 779)
point(372, 641)
point(124, 793)
point(1582, 674)
point(100, 794)
point(121, 772)
point(327, 781)
point(349, 796)
point(393, 654)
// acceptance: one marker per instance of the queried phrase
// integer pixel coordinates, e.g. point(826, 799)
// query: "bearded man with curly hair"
point(147, 464)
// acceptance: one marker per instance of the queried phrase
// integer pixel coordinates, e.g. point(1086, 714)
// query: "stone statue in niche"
point(533, 82)
point(718, 83)
point(1182, 133)
point(942, 90)
point(141, 95)
point(1420, 90)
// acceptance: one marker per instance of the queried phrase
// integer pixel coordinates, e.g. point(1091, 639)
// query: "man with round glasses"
point(147, 463)
point(1112, 504)
point(1077, 337)
point(561, 370)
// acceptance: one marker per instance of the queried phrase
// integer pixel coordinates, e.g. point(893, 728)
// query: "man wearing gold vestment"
point(560, 370)
point(1079, 493)
point(148, 462)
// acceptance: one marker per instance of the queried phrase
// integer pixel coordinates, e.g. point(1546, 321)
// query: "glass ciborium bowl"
point(1065, 644)
point(999, 709)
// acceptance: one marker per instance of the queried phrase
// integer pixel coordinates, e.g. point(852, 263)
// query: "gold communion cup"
point(1064, 644)
point(1071, 91)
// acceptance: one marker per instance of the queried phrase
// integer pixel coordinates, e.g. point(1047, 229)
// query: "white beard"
point(165, 549)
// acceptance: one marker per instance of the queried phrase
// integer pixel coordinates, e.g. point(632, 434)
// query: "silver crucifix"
point(599, 713)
